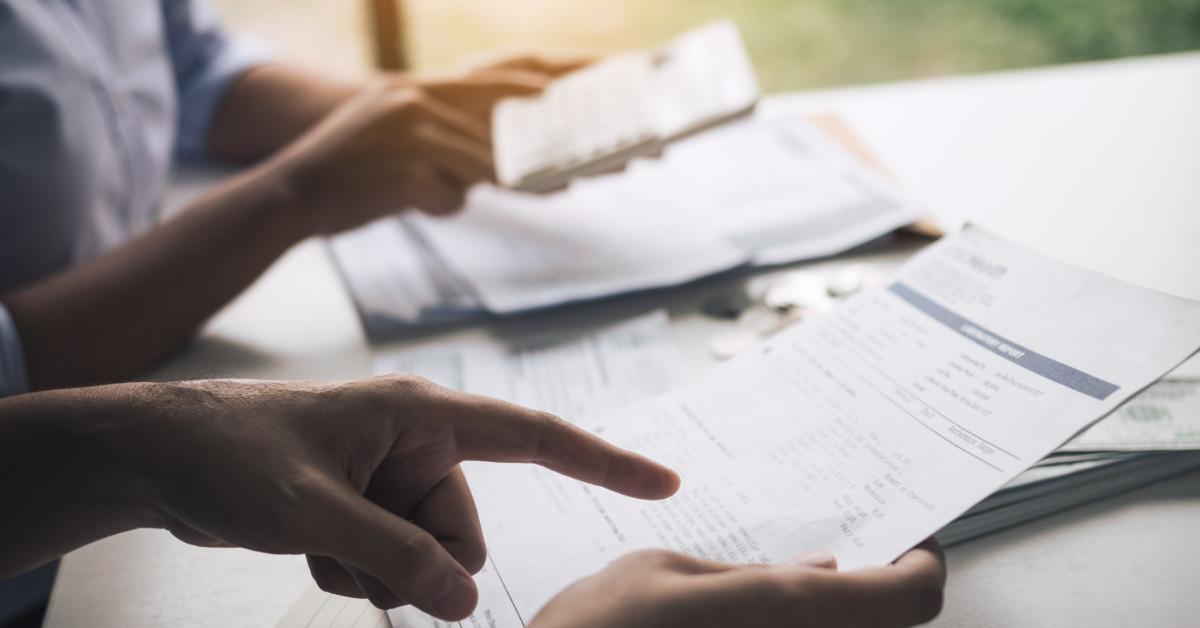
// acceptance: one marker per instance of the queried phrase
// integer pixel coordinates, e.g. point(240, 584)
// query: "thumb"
point(405, 558)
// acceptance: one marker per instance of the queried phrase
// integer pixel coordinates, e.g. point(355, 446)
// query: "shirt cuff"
point(204, 90)
point(14, 379)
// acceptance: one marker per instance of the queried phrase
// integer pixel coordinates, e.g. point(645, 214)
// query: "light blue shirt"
point(96, 97)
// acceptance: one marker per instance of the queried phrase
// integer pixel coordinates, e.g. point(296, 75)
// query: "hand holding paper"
point(660, 589)
point(862, 432)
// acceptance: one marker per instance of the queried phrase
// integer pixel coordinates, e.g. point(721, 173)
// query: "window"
point(795, 43)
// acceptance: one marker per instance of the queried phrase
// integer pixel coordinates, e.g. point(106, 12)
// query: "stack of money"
point(1155, 435)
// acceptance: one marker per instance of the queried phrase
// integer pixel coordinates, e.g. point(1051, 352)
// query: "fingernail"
point(458, 602)
point(817, 559)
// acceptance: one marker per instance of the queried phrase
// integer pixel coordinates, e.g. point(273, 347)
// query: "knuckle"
point(330, 585)
point(413, 101)
point(545, 423)
point(472, 555)
point(548, 419)
point(381, 601)
point(411, 384)
point(406, 106)
point(420, 550)
point(651, 558)
point(796, 590)
point(296, 495)
point(444, 204)
point(331, 577)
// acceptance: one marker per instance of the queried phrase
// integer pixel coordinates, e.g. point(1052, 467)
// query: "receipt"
point(859, 433)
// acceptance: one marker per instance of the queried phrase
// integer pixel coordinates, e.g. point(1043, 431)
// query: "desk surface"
point(1096, 163)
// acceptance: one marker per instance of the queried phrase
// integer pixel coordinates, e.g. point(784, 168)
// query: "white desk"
point(1099, 163)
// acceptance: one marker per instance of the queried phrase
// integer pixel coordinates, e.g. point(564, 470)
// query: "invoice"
point(860, 433)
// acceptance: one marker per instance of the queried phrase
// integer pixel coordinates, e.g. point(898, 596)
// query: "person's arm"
point(389, 147)
point(363, 476)
point(270, 105)
point(122, 312)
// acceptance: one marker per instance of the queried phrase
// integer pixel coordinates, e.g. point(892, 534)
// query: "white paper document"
point(767, 190)
point(318, 609)
point(860, 433)
point(524, 251)
point(779, 188)
point(575, 375)
point(762, 191)
point(395, 279)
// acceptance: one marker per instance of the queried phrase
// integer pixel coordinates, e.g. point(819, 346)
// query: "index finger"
point(485, 89)
point(549, 65)
point(493, 430)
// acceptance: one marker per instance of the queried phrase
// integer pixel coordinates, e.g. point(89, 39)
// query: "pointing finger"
point(497, 431)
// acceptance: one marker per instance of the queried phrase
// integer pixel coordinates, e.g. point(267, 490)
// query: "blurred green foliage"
point(806, 43)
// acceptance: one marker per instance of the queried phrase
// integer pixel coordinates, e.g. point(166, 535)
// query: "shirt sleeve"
point(13, 378)
point(205, 62)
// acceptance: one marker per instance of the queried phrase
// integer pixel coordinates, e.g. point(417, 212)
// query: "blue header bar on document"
point(1029, 360)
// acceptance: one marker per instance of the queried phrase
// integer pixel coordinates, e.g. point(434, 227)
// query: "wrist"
point(65, 457)
point(272, 191)
point(103, 432)
point(283, 188)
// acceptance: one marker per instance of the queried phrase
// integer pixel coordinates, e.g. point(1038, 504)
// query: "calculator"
point(595, 120)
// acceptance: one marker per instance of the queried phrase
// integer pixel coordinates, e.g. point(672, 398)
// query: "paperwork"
point(575, 375)
point(318, 609)
point(522, 252)
point(1154, 435)
point(767, 190)
point(779, 188)
point(761, 191)
point(1047, 489)
point(859, 433)
point(396, 280)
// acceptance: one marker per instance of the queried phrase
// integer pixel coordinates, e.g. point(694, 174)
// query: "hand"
point(663, 589)
point(363, 477)
point(404, 142)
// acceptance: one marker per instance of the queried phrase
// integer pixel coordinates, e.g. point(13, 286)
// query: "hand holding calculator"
point(596, 119)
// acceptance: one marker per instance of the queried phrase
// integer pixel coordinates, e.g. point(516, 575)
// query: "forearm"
point(61, 483)
point(119, 314)
point(268, 107)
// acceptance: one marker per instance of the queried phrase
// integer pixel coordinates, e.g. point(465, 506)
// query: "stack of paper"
point(761, 192)
point(1153, 436)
